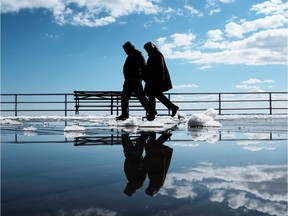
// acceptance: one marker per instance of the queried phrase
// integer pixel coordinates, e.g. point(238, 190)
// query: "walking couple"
point(156, 77)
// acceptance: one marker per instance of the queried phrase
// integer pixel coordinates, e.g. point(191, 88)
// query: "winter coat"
point(156, 74)
point(133, 65)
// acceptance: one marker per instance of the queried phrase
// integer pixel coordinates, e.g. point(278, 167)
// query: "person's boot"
point(150, 117)
point(174, 110)
point(122, 117)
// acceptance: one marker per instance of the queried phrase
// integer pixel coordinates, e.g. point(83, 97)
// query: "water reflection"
point(261, 188)
point(209, 135)
point(226, 171)
point(154, 164)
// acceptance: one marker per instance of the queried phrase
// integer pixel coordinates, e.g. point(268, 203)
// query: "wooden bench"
point(105, 101)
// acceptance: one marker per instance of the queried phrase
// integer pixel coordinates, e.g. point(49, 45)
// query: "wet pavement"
point(239, 168)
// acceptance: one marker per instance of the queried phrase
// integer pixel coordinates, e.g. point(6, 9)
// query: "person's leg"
point(152, 105)
point(139, 92)
point(125, 97)
point(166, 102)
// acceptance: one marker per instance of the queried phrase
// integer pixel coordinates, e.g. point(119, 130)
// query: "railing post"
point(270, 103)
point(219, 102)
point(117, 105)
point(76, 103)
point(16, 103)
point(65, 104)
point(111, 110)
point(170, 100)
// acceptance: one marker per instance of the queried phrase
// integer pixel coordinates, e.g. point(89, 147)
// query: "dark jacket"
point(133, 65)
point(156, 74)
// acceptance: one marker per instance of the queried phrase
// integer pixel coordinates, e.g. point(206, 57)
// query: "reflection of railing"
point(115, 139)
point(100, 140)
point(100, 102)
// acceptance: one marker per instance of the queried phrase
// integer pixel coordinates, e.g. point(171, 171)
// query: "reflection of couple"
point(155, 163)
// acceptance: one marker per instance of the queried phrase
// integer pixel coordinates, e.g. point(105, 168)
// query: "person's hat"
point(149, 46)
point(128, 44)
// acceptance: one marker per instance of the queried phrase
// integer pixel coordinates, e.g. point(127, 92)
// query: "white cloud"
point(253, 80)
point(270, 22)
point(192, 10)
point(270, 7)
point(262, 41)
point(226, 1)
point(261, 48)
point(213, 6)
point(182, 39)
point(186, 86)
point(249, 84)
point(205, 67)
point(214, 11)
point(86, 13)
point(215, 35)
point(250, 88)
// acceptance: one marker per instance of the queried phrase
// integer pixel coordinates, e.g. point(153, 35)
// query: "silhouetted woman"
point(157, 80)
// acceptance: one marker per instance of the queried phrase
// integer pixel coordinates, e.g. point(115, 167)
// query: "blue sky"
point(210, 45)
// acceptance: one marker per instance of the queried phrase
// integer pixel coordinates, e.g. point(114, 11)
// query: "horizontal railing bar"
point(39, 94)
point(110, 101)
point(173, 93)
point(43, 110)
point(39, 102)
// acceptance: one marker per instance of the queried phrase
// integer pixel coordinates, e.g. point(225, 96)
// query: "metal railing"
point(225, 103)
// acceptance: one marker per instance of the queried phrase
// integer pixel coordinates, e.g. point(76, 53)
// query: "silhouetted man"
point(132, 70)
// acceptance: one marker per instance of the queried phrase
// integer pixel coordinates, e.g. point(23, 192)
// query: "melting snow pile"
point(9, 122)
point(205, 119)
point(130, 122)
point(135, 123)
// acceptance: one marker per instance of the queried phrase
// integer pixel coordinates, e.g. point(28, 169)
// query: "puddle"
point(239, 168)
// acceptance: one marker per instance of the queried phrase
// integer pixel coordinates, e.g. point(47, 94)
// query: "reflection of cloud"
point(204, 134)
point(69, 134)
point(188, 145)
point(236, 201)
point(245, 143)
point(86, 212)
point(251, 187)
point(250, 144)
point(217, 196)
point(257, 136)
point(30, 133)
point(258, 148)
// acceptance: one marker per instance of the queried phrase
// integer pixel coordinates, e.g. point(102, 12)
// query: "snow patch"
point(205, 119)
point(9, 122)
point(132, 121)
